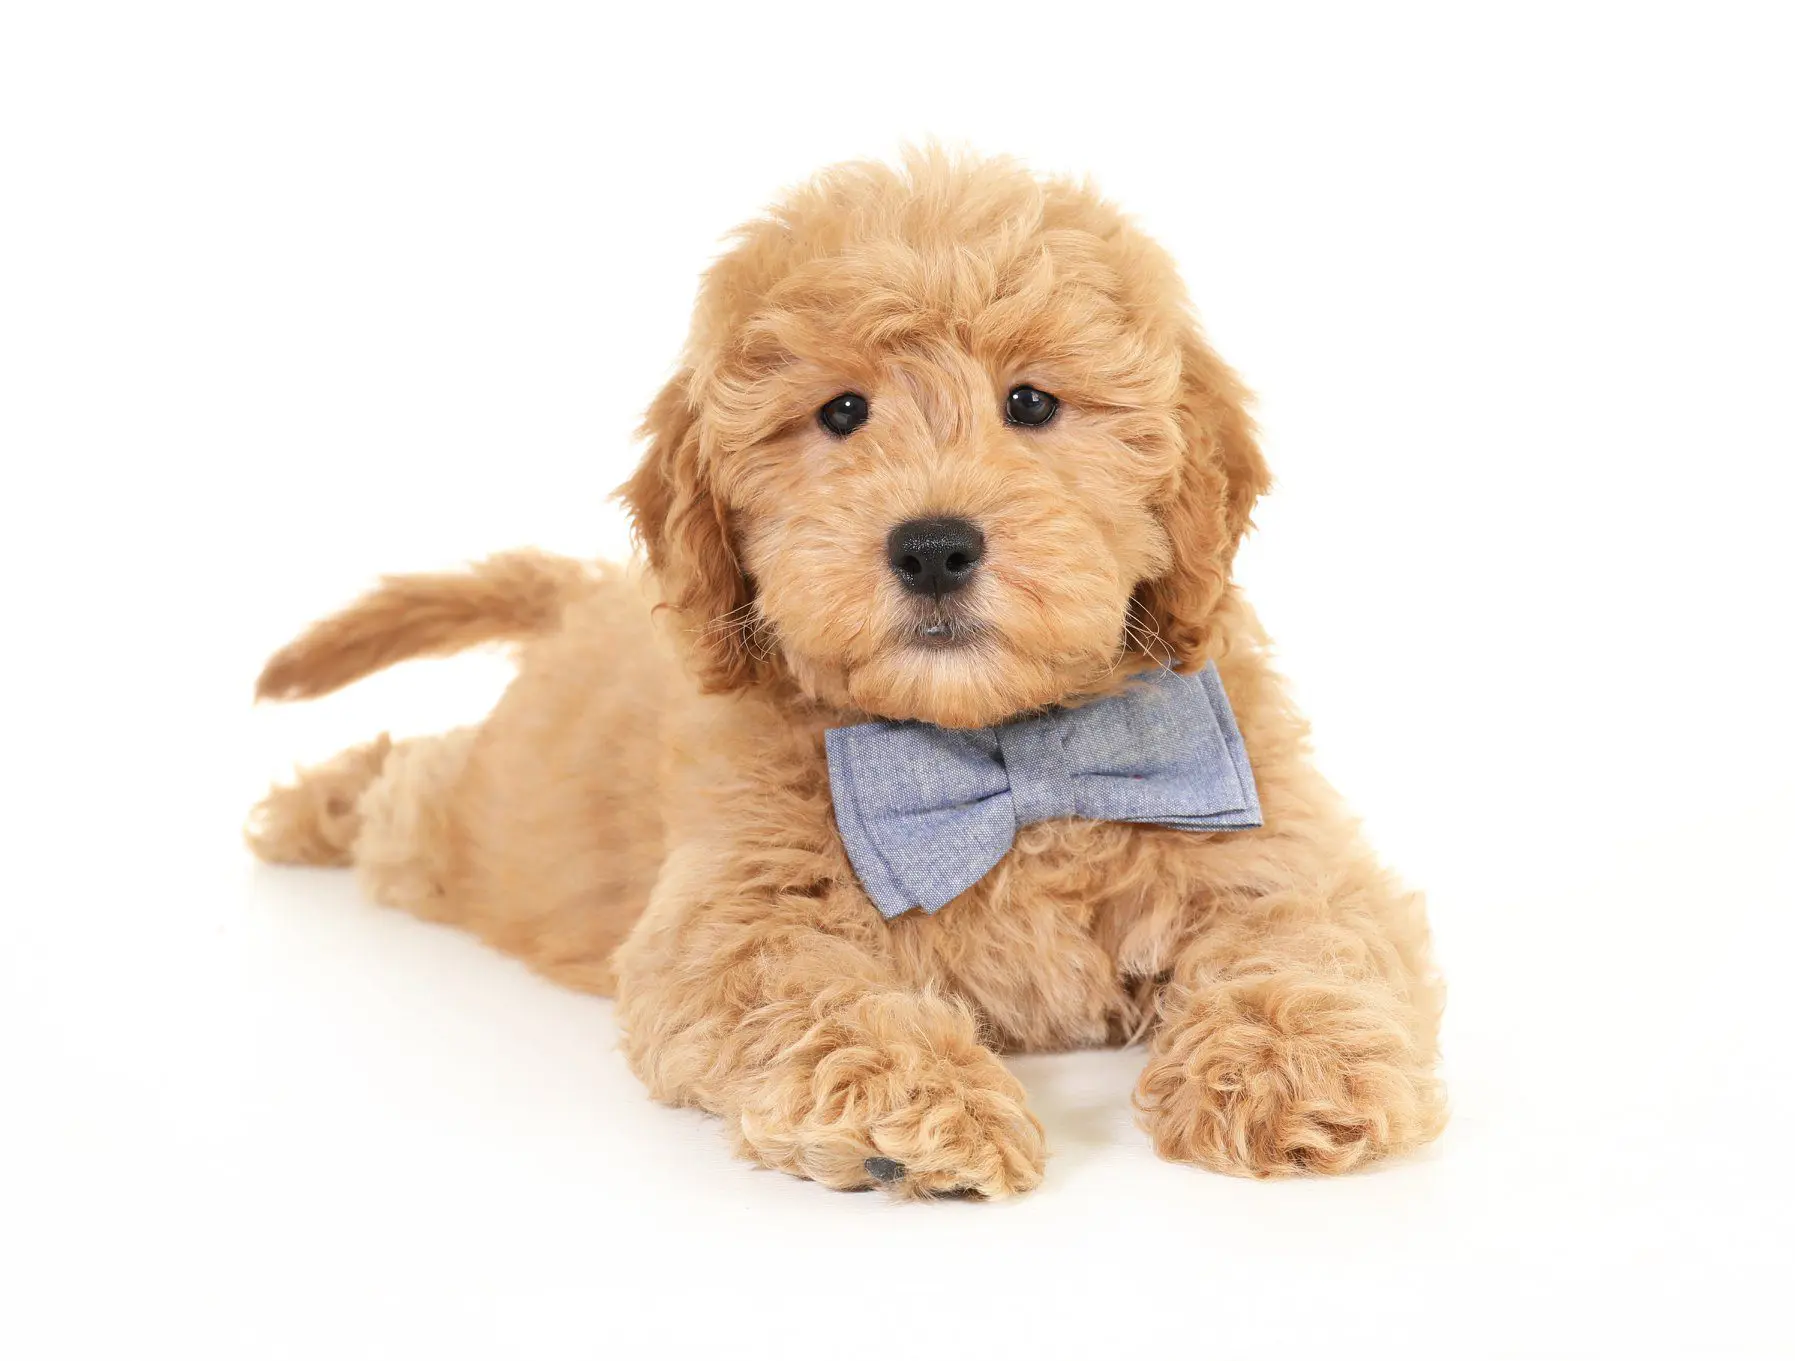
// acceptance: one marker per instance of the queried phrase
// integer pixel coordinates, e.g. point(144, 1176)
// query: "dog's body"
point(648, 810)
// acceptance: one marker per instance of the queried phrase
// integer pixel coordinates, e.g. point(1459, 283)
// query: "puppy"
point(947, 487)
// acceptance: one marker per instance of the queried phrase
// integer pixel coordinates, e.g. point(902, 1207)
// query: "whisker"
point(1141, 631)
point(735, 618)
point(762, 633)
point(1116, 660)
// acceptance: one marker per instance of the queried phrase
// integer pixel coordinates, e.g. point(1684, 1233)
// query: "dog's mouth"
point(939, 629)
point(949, 663)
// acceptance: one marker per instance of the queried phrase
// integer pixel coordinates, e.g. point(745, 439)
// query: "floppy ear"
point(1209, 507)
point(682, 526)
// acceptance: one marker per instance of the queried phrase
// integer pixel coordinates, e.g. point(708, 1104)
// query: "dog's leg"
point(393, 811)
point(781, 1013)
point(382, 807)
point(315, 819)
point(1298, 1034)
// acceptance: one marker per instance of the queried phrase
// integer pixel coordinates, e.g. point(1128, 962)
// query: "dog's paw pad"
point(886, 1170)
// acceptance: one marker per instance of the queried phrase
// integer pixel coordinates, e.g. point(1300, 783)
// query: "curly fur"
point(647, 811)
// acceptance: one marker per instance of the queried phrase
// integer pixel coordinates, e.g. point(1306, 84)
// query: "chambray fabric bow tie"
point(925, 812)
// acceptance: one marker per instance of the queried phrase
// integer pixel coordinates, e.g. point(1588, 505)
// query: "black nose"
point(933, 557)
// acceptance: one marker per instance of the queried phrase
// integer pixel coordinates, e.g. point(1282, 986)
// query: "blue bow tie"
point(925, 812)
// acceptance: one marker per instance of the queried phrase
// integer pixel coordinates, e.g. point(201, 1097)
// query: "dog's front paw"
point(896, 1092)
point(1285, 1075)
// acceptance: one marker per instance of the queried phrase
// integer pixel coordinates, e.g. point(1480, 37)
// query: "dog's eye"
point(1030, 406)
point(843, 415)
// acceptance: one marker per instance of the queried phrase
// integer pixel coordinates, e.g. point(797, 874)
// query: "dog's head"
point(946, 444)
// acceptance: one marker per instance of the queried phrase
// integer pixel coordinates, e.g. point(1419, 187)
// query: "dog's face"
point(946, 446)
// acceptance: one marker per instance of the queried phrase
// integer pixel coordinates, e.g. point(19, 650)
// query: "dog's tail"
point(506, 598)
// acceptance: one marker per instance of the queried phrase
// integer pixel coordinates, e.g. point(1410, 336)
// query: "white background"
point(292, 295)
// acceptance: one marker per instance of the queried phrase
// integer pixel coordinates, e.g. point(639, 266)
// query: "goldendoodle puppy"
point(935, 727)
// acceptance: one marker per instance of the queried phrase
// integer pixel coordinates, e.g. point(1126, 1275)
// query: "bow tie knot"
point(1034, 754)
point(925, 812)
